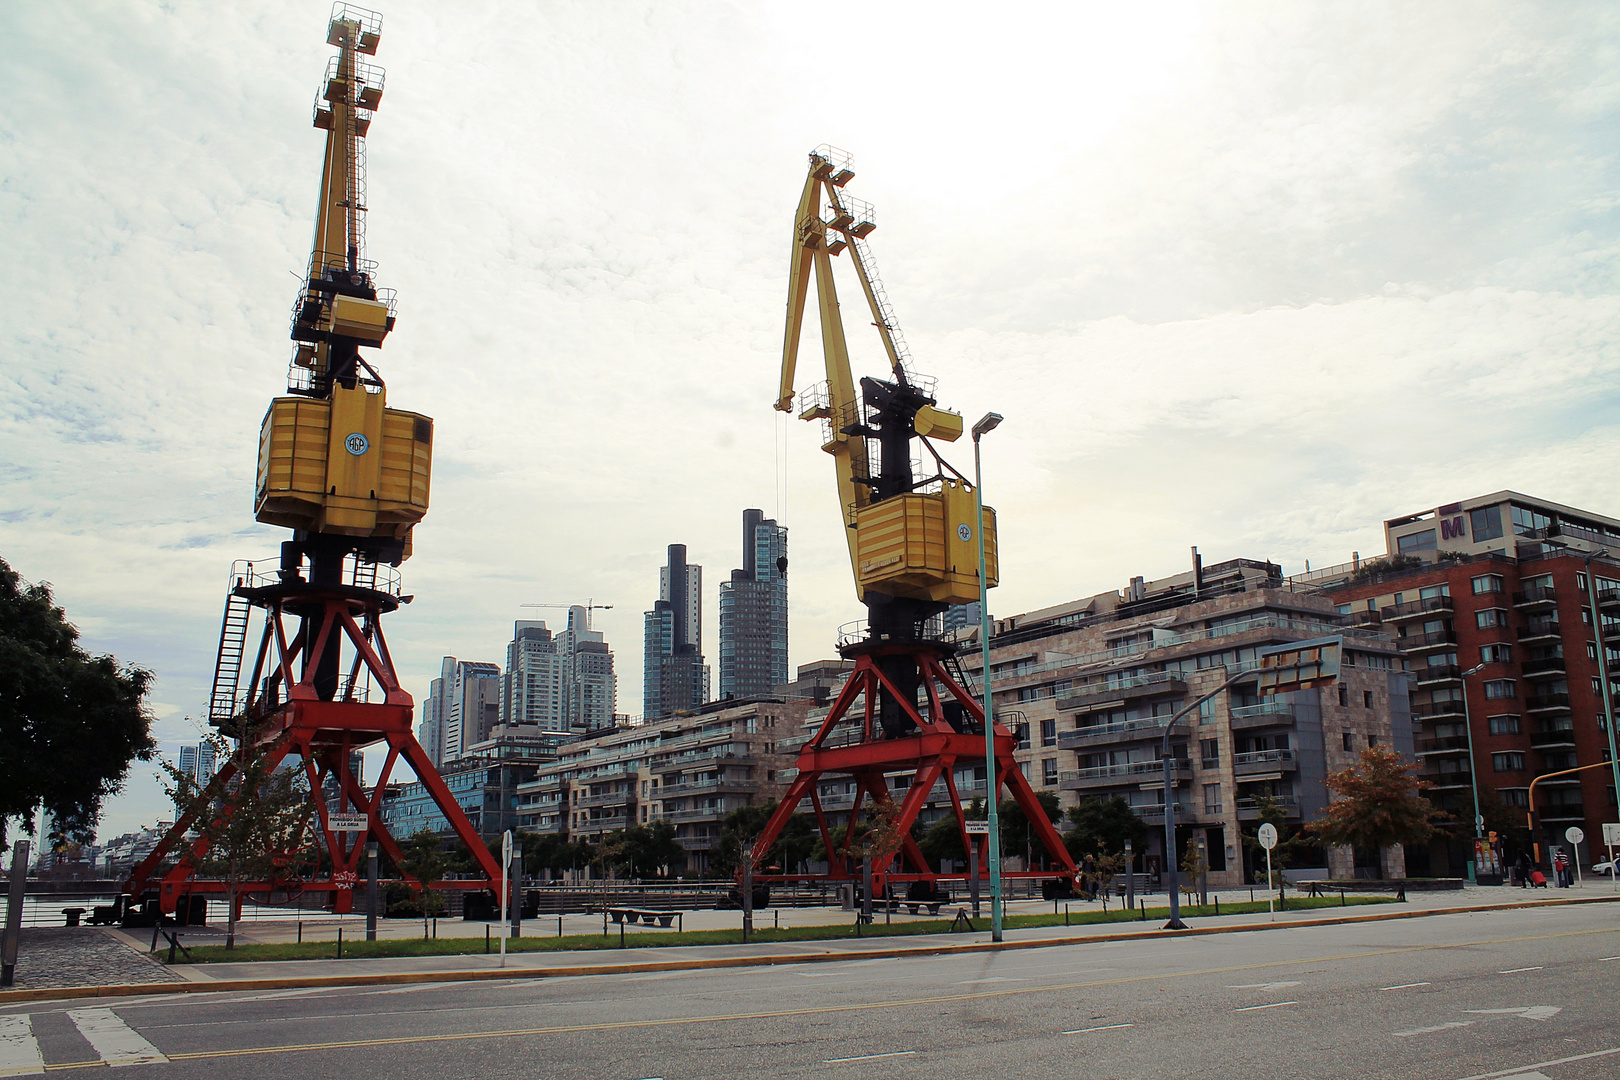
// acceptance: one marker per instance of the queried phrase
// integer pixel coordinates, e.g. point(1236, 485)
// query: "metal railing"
point(1262, 757)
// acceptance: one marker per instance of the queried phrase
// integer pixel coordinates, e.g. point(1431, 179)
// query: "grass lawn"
point(356, 950)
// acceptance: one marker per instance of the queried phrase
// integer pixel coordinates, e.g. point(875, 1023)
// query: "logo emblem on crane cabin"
point(964, 532)
point(358, 444)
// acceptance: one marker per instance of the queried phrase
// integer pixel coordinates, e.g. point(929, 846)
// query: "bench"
point(633, 915)
point(932, 906)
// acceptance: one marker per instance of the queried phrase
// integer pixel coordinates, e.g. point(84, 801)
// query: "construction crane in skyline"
point(913, 534)
point(589, 605)
point(349, 476)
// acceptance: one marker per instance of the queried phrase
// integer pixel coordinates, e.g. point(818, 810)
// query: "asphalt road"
point(1503, 994)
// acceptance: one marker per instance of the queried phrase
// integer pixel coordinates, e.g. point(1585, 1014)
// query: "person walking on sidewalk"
point(1561, 868)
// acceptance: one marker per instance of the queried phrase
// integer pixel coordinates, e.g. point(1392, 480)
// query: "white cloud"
point(1241, 276)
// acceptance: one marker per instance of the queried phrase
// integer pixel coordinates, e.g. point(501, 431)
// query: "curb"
point(700, 964)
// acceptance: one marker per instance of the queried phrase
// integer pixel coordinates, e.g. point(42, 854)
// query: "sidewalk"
point(302, 973)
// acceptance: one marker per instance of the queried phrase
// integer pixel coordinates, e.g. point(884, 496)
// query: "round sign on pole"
point(1479, 821)
point(1268, 836)
point(1574, 834)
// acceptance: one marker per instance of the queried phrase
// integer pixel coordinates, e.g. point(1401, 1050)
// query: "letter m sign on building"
point(1452, 529)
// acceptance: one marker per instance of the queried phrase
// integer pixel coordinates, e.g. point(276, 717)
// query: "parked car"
point(1605, 867)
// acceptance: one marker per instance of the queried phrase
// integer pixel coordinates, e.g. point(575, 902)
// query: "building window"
point(1209, 751)
point(1486, 523)
point(1526, 522)
point(1344, 696)
point(1343, 609)
point(1412, 543)
point(1349, 741)
point(1499, 689)
point(1490, 617)
point(1366, 699)
point(1212, 798)
point(1049, 771)
point(1023, 736)
point(1496, 654)
point(1372, 740)
point(1489, 583)
point(1514, 796)
point(1511, 761)
point(1504, 725)
point(1048, 732)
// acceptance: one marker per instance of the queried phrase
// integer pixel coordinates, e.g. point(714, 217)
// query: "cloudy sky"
point(1242, 275)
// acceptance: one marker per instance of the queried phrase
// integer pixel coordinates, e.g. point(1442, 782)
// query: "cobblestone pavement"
point(85, 956)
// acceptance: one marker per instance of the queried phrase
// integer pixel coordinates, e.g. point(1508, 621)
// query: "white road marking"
point(1515, 971)
point(114, 1040)
point(868, 1057)
point(1531, 1012)
point(991, 979)
point(1516, 1071)
point(292, 993)
point(1528, 1076)
point(1273, 1005)
point(1104, 1027)
point(1402, 986)
point(1609, 958)
point(19, 1051)
point(1263, 986)
point(1437, 1027)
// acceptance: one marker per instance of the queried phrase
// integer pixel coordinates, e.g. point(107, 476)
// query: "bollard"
point(300, 931)
point(340, 943)
point(1341, 898)
point(486, 941)
point(559, 926)
point(1217, 904)
point(1065, 914)
point(1143, 902)
point(777, 922)
point(621, 935)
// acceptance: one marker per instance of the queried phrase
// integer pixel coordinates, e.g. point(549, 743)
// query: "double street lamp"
point(987, 424)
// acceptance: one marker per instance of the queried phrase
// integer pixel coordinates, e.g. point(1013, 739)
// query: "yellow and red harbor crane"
point(904, 721)
point(350, 477)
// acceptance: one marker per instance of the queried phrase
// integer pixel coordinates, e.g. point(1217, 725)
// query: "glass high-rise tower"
point(754, 613)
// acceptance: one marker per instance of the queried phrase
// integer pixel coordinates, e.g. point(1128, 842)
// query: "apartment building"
point(1091, 687)
point(690, 771)
point(1488, 600)
point(484, 780)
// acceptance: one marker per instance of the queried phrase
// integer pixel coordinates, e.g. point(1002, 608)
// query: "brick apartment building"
point(1090, 686)
point(1488, 601)
point(689, 770)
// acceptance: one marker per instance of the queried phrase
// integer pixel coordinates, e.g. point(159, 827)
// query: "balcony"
point(709, 787)
point(1564, 812)
point(1137, 686)
point(1364, 618)
point(1535, 597)
point(1608, 599)
point(1434, 710)
point(1249, 809)
point(1153, 814)
point(1420, 643)
point(1266, 714)
point(1547, 738)
point(1125, 731)
point(1542, 630)
point(1438, 674)
point(615, 798)
point(1263, 761)
point(1449, 744)
point(1444, 781)
point(683, 761)
point(1547, 702)
point(1136, 772)
point(1413, 609)
point(1545, 668)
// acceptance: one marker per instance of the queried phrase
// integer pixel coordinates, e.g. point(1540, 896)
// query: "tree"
point(1291, 841)
point(798, 841)
point(253, 817)
point(943, 839)
point(426, 862)
point(1017, 835)
point(1378, 804)
point(1101, 826)
point(70, 723)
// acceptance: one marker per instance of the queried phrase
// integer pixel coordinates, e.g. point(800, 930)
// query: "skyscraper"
point(534, 688)
point(673, 673)
point(463, 703)
point(436, 711)
point(593, 688)
point(753, 613)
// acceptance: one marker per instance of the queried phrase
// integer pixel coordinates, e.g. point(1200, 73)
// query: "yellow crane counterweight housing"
point(347, 464)
point(923, 545)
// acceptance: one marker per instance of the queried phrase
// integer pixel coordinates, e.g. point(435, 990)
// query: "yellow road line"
point(821, 1010)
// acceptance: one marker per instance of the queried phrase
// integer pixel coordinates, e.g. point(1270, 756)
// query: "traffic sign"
point(348, 823)
point(1574, 834)
point(1611, 834)
point(1268, 836)
point(977, 828)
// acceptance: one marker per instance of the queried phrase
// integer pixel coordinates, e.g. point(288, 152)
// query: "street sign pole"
point(1575, 834)
point(14, 906)
point(1268, 840)
point(506, 865)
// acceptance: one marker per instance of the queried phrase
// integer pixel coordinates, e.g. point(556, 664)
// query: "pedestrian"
point(1521, 870)
point(1561, 868)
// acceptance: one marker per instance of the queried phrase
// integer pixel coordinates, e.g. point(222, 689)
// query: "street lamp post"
point(1473, 766)
point(986, 424)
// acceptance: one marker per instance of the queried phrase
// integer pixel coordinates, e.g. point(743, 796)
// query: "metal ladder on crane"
point(228, 663)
